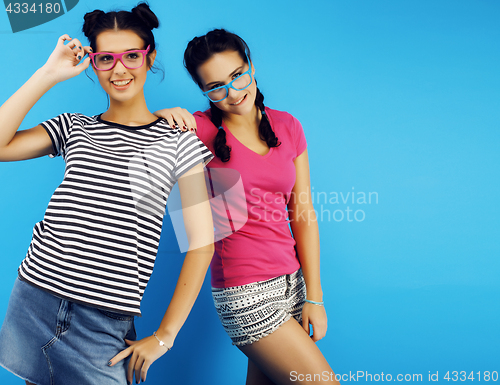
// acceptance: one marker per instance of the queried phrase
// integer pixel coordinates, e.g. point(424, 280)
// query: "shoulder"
point(287, 129)
point(282, 121)
point(281, 117)
point(203, 116)
point(67, 120)
point(76, 117)
point(206, 130)
point(163, 125)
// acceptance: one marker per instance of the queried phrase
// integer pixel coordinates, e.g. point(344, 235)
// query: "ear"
point(152, 57)
point(253, 68)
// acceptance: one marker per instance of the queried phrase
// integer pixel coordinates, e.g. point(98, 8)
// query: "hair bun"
point(143, 12)
point(91, 19)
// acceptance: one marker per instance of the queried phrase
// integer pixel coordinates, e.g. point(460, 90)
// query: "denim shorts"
point(50, 341)
point(253, 311)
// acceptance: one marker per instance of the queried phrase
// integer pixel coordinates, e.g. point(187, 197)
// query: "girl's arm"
point(304, 226)
point(61, 65)
point(199, 228)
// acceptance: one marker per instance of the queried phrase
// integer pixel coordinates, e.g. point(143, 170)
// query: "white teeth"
point(120, 83)
point(239, 101)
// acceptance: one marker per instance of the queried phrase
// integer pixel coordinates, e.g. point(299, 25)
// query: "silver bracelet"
point(315, 303)
point(161, 342)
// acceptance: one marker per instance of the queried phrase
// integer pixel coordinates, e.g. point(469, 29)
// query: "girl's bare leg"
point(288, 356)
point(255, 375)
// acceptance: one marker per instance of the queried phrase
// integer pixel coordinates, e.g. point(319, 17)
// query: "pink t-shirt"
point(260, 247)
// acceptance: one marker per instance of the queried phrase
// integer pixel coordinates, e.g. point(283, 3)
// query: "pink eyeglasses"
point(104, 61)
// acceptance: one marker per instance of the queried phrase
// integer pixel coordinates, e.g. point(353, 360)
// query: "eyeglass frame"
point(230, 84)
point(119, 56)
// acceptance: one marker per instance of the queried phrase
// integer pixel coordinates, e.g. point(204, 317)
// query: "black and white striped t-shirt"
point(98, 240)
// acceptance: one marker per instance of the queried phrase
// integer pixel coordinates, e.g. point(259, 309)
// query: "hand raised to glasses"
point(65, 61)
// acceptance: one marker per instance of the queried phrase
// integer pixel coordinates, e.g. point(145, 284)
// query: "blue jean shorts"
point(253, 311)
point(50, 341)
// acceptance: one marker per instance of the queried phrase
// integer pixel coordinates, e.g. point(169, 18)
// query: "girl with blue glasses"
point(265, 280)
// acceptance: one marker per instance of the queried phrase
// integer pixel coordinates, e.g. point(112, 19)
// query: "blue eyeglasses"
point(218, 94)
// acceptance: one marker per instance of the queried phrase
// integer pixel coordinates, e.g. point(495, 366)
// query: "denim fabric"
point(51, 341)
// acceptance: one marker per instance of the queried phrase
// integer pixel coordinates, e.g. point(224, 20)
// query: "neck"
point(132, 112)
point(250, 121)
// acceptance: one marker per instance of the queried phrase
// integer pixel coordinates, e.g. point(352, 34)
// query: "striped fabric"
point(98, 240)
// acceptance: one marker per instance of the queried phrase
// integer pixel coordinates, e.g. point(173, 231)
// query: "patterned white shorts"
point(250, 312)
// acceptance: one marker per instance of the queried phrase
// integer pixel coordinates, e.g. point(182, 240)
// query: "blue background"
point(400, 98)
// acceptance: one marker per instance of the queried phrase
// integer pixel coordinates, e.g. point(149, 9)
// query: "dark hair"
point(198, 51)
point(141, 20)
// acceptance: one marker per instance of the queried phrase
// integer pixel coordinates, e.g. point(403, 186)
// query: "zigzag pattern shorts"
point(253, 311)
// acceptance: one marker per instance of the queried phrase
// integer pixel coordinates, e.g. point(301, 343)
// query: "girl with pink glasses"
point(70, 314)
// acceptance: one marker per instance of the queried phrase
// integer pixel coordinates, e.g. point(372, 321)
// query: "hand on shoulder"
point(178, 117)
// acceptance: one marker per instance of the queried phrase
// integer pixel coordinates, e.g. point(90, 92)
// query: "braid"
point(222, 150)
point(266, 132)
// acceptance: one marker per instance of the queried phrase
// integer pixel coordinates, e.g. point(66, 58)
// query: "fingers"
point(144, 371)
point(319, 325)
point(79, 52)
point(316, 317)
point(138, 365)
point(178, 118)
point(120, 356)
point(74, 45)
point(138, 368)
point(318, 333)
point(143, 353)
point(83, 65)
point(63, 38)
point(131, 366)
point(123, 354)
point(185, 119)
point(141, 370)
point(77, 48)
point(170, 119)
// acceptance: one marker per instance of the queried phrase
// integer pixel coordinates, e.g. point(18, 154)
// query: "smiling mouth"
point(121, 83)
point(239, 101)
